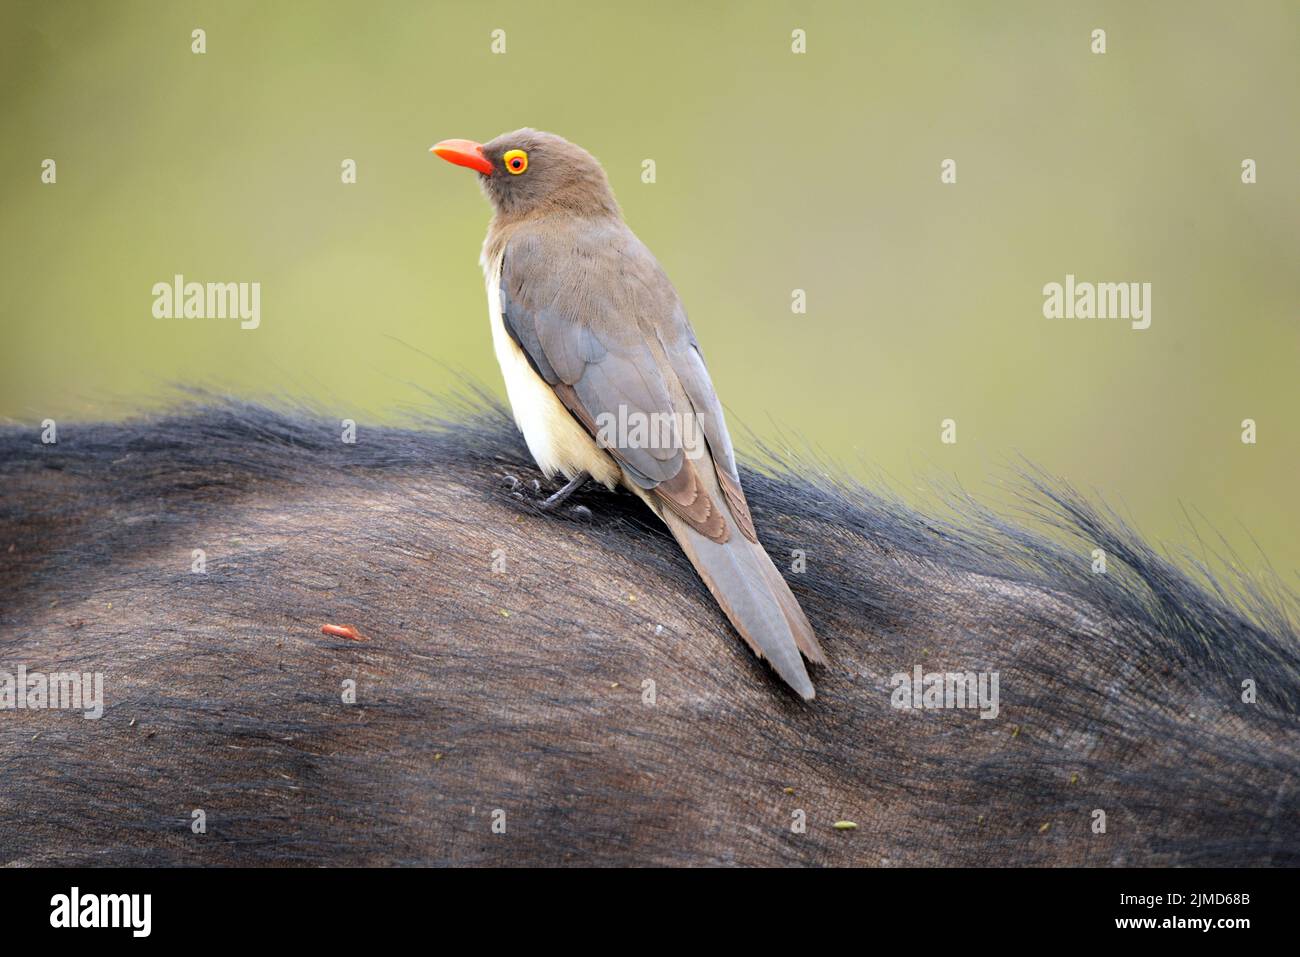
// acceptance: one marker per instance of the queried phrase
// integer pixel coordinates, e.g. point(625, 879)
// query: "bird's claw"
point(541, 502)
point(514, 483)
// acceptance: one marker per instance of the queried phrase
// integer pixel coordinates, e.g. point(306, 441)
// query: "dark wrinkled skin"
point(521, 690)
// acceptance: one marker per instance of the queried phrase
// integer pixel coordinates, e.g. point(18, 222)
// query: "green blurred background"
point(775, 171)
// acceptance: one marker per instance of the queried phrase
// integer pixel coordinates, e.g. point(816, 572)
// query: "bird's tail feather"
point(755, 597)
point(804, 637)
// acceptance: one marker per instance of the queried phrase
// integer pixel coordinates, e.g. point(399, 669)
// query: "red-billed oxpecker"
point(607, 381)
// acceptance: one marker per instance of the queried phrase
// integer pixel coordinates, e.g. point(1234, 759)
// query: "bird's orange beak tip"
point(465, 153)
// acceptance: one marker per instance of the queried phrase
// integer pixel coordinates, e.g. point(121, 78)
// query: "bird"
point(595, 349)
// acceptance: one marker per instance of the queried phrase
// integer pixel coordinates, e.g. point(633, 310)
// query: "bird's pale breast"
point(557, 442)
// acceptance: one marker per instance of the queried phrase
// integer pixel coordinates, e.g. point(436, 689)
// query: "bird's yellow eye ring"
point(516, 161)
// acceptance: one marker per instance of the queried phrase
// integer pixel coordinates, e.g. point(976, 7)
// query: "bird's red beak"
point(463, 153)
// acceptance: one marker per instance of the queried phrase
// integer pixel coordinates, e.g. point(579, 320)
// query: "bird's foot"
point(532, 494)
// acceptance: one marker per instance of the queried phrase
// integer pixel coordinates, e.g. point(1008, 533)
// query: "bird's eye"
point(516, 161)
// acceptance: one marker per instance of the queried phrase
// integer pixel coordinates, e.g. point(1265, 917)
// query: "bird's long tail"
point(755, 597)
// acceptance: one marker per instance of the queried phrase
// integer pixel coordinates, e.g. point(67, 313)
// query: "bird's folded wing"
point(687, 362)
point(580, 307)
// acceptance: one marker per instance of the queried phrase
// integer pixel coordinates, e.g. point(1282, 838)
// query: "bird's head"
point(530, 171)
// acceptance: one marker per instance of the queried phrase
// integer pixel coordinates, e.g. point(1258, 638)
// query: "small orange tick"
point(343, 631)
